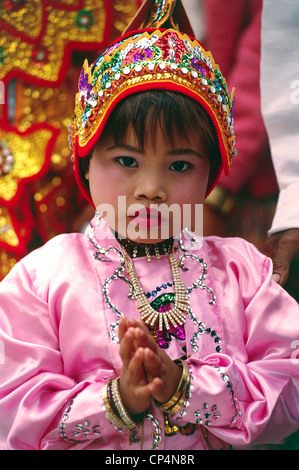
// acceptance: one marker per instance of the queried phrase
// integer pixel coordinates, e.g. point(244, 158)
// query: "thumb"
point(280, 270)
point(282, 247)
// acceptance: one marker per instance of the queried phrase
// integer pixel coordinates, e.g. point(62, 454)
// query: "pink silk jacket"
point(59, 314)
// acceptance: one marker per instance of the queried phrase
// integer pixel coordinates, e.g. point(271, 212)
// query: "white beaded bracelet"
point(119, 406)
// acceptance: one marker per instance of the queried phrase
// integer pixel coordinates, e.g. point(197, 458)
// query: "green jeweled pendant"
point(163, 337)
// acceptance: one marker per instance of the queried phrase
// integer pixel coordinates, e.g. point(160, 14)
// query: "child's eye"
point(179, 166)
point(128, 162)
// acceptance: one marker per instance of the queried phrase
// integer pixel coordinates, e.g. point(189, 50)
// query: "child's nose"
point(151, 187)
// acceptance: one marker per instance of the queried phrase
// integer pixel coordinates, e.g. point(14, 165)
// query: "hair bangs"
point(147, 111)
point(172, 112)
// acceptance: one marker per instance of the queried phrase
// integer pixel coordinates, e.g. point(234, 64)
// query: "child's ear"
point(87, 175)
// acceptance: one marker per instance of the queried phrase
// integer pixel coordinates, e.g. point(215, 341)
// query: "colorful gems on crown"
point(151, 59)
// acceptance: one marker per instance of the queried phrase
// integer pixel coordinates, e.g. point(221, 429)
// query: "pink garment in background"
point(233, 33)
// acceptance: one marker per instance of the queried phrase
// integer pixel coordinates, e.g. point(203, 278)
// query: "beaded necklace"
point(135, 249)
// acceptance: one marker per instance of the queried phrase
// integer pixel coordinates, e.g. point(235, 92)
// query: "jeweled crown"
point(150, 59)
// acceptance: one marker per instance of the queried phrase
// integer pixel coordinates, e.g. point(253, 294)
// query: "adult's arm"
point(280, 110)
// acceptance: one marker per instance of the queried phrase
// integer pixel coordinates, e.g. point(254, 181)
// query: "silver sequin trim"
point(229, 386)
point(101, 255)
point(186, 403)
point(157, 437)
point(83, 430)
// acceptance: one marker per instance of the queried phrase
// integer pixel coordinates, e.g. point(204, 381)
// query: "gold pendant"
point(169, 430)
point(175, 316)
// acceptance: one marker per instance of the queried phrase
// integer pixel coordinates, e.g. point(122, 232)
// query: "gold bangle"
point(176, 401)
point(174, 409)
point(179, 403)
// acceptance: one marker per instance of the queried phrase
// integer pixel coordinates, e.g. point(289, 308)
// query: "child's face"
point(168, 179)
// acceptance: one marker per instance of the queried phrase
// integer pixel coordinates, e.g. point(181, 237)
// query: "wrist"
point(170, 379)
point(134, 406)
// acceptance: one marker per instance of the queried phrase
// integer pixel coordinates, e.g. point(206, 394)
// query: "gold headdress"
point(152, 54)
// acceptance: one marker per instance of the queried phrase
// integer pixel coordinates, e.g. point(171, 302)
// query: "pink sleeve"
point(250, 393)
point(41, 407)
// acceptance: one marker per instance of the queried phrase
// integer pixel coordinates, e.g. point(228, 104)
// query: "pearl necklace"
point(174, 316)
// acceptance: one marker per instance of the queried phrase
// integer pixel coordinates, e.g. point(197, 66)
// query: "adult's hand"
point(282, 247)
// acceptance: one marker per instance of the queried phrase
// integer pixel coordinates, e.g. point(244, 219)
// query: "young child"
point(122, 338)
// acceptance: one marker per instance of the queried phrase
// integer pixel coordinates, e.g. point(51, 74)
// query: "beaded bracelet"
point(110, 415)
point(173, 405)
point(119, 406)
point(110, 394)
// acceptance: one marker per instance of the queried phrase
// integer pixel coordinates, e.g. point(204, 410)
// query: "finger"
point(280, 270)
point(149, 388)
point(135, 367)
point(141, 324)
point(152, 364)
point(127, 347)
point(124, 324)
point(286, 250)
point(155, 386)
point(145, 339)
point(133, 385)
point(277, 277)
point(143, 386)
point(122, 328)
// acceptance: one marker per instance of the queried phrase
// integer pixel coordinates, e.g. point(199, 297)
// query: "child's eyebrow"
point(173, 152)
point(127, 147)
point(184, 151)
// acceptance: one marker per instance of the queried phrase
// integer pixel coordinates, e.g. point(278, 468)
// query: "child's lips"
point(147, 217)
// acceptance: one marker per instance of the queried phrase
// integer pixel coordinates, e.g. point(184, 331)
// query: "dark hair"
point(173, 112)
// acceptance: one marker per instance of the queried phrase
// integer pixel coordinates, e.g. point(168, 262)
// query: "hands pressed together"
point(147, 371)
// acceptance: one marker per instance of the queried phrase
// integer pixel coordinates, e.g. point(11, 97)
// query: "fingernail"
point(276, 277)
